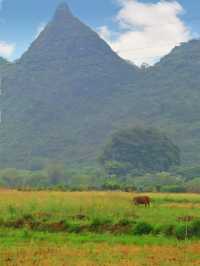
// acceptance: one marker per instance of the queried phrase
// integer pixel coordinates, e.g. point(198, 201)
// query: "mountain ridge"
point(70, 91)
point(62, 79)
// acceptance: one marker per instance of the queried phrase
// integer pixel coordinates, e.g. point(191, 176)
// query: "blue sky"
point(21, 19)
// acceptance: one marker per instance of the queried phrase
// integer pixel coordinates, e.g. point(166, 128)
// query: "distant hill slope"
point(54, 97)
point(174, 85)
point(167, 96)
point(69, 91)
point(4, 66)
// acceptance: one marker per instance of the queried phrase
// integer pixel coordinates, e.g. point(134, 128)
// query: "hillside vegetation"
point(139, 149)
point(69, 92)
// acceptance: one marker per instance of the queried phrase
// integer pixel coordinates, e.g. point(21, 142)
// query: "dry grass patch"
point(101, 254)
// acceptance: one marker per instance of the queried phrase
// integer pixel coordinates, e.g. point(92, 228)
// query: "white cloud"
point(146, 31)
point(6, 49)
point(105, 33)
point(40, 28)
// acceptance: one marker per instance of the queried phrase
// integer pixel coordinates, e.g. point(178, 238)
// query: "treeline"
point(52, 176)
point(57, 176)
point(133, 159)
point(177, 180)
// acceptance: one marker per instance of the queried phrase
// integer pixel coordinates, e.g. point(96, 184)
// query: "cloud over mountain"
point(6, 49)
point(146, 31)
point(40, 28)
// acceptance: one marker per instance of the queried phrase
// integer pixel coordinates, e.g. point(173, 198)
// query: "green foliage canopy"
point(140, 148)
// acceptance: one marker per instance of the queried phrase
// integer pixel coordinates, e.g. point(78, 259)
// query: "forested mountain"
point(54, 96)
point(70, 91)
point(174, 85)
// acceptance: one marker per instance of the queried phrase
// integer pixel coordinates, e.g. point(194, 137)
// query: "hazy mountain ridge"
point(175, 85)
point(69, 91)
point(4, 66)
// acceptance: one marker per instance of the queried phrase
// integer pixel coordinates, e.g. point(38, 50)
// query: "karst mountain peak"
point(63, 11)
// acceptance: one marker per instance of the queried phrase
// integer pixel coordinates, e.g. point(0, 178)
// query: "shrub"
point(157, 229)
point(142, 228)
point(168, 229)
point(195, 228)
point(97, 222)
point(180, 231)
point(74, 228)
point(125, 222)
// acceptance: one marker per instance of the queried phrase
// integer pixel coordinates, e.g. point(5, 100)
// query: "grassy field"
point(98, 228)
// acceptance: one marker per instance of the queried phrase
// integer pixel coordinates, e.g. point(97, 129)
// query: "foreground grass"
point(23, 247)
point(96, 214)
point(166, 208)
point(10, 237)
point(93, 253)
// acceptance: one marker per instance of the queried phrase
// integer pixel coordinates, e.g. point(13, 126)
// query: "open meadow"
point(98, 228)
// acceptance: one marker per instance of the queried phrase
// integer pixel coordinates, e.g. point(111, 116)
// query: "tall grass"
point(94, 211)
point(98, 228)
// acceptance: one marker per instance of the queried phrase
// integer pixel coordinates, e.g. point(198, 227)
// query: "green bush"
point(97, 222)
point(125, 222)
point(195, 228)
point(168, 230)
point(74, 228)
point(157, 230)
point(180, 231)
point(142, 228)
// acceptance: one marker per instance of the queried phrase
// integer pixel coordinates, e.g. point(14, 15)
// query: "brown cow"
point(142, 200)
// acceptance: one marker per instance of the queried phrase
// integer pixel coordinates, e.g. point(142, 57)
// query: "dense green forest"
point(58, 176)
point(139, 149)
point(133, 159)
